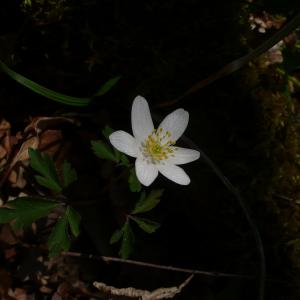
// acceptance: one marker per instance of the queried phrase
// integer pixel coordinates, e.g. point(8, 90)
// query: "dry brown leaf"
point(7, 236)
point(10, 253)
point(6, 142)
point(4, 128)
point(38, 135)
point(22, 155)
point(21, 159)
point(40, 124)
point(50, 141)
point(158, 294)
point(5, 283)
point(18, 294)
point(63, 292)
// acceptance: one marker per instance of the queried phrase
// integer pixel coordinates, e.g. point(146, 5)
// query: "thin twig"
point(157, 266)
point(240, 62)
point(245, 209)
point(232, 189)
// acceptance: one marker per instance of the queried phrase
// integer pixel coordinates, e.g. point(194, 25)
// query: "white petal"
point(145, 172)
point(174, 173)
point(141, 120)
point(124, 142)
point(176, 123)
point(183, 156)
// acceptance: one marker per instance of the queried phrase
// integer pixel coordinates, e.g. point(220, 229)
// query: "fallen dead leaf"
point(10, 253)
point(18, 294)
point(7, 236)
point(63, 292)
point(158, 294)
point(5, 284)
point(39, 134)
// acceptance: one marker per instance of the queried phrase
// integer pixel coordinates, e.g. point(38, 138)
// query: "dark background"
point(160, 49)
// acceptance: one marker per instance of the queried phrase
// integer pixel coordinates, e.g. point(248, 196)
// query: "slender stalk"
point(245, 210)
point(157, 266)
point(239, 62)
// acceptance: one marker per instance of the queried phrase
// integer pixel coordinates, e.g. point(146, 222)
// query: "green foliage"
point(127, 236)
point(124, 160)
point(53, 95)
point(147, 225)
point(134, 184)
point(26, 210)
point(120, 157)
point(107, 86)
point(146, 203)
point(44, 165)
point(74, 219)
point(107, 131)
point(104, 151)
point(43, 91)
point(59, 239)
point(116, 236)
point(127, 241)
point(69, 174)
point(6, 215)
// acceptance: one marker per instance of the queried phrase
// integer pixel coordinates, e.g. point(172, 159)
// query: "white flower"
point(154, 148)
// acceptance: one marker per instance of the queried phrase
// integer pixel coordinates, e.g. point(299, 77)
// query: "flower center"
point(157, 146)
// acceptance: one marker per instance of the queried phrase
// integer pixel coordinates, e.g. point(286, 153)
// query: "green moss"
point(43, 12)
point(272, 92)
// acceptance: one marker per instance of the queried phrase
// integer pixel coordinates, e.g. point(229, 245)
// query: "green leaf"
point(74, 219)
point(134, 184)
point(146, 203)
point(44, 165)
point(6, 215)
point(41, 90)
point(69, 174)
point(102, 150)
point(107, 86)
point(145, 224)
point(127, 241)
point(58, 240)
point(107, 131)
point(50, 184)
point(116, 236)
point(26, 210)
point(124, 160)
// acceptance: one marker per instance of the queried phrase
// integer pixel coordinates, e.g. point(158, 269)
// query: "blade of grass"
point(41, 90)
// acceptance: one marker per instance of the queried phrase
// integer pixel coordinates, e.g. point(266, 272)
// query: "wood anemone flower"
point(154, 148)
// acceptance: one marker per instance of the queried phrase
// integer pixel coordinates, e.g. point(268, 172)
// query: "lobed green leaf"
point(146, 203)
point(6, 215)
point(74, 219)
point(44, 165)
point(26, 210)
point(145, 224)
point(58, 240)
point(127, 241)
point(104, 151)
point(107, 86)
point(48, 183)
point(116, 236)
point(69, 174)
point(107, 131)
point(134, 184)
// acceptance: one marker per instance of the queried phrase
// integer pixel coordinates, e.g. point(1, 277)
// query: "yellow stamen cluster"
point(157, 146)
